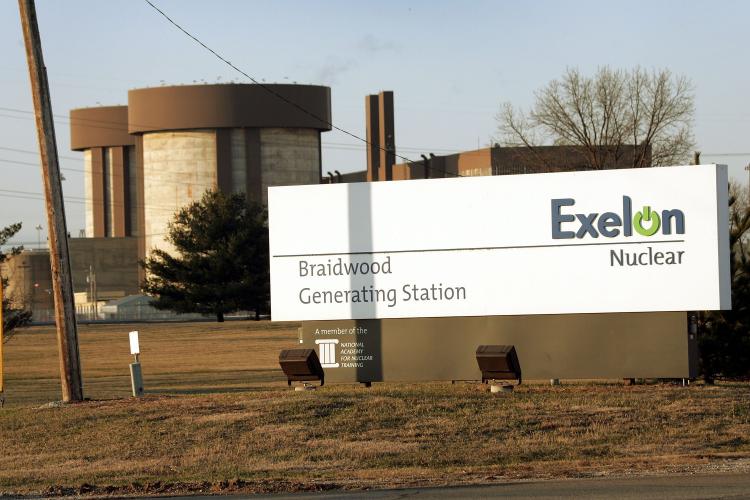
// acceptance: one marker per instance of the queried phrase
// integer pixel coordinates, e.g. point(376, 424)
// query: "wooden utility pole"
point(62, 285)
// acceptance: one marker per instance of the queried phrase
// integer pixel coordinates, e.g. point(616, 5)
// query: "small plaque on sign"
point(134, 349)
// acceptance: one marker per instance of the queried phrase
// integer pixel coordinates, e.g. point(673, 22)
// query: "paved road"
point(699, 486)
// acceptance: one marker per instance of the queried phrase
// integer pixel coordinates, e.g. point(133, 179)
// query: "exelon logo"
point(646, 222)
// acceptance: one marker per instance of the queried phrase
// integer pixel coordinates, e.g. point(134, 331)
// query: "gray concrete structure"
point(236, 138)
point(288, 157)
point(178, 167)
point(174, 143)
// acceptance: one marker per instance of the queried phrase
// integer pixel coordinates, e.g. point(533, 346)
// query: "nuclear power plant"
point(146, 160)
point(162, 151)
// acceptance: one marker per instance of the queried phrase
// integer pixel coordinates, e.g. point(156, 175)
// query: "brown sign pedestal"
point(576, 346)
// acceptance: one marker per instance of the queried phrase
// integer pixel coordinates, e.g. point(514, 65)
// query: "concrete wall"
point(238, 158)
point(109, 200)
point(113, 260)
point(131, 193)
point(178, 167)
point(289, 157)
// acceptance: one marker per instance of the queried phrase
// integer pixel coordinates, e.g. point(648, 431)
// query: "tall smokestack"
point(372, 127)
point(387, 135)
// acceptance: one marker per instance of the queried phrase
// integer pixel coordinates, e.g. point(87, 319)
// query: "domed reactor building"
point(162, 151)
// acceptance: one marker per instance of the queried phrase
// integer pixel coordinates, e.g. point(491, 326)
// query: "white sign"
point(134, 348)
point(651, 239)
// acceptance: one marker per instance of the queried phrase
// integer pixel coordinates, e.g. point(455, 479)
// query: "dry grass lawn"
point(242, 430)
point(175, 358)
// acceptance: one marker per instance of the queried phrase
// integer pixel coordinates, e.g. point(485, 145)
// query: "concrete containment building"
point(177, 142)
point(162, 151)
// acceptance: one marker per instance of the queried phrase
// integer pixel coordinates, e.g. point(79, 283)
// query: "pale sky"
point(450, 65)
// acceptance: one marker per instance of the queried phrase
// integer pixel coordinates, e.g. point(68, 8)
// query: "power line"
point(336, 146)
point(118, 126)
point(95, 200)
point(31, 195)
point(328, 145)
point(331, 145)
point(78, 170)
point(27, 163)
point(280, 96)
point(23, 243)
point(28, 151)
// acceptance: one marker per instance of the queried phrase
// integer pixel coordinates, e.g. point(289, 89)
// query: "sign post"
point(136, 376)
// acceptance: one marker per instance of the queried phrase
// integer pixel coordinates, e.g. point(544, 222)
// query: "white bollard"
point(136, 377)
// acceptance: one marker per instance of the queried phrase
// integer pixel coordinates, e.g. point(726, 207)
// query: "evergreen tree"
point(220, 263)
point(13, 316)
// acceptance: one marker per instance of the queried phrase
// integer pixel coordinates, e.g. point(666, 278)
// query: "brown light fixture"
point(498, 362)
point(301, 365)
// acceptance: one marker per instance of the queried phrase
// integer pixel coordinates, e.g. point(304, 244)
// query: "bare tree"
point(601, 114)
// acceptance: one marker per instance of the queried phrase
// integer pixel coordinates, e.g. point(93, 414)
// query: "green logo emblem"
point(646, 215)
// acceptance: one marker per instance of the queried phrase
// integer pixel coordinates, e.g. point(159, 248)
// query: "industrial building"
point(498, 160)
point(168, 145)
point(493, 160)
point(102, 269)
point(162, 151)
point(146, 160)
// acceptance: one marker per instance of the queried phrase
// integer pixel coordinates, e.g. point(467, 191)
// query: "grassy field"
point(224, 421)
point(176, 358)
